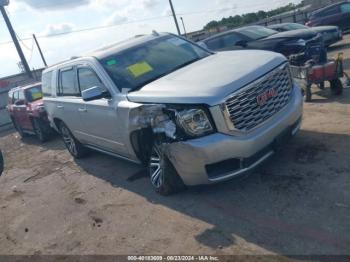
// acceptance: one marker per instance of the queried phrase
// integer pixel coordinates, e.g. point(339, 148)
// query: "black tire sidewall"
point(43, 136)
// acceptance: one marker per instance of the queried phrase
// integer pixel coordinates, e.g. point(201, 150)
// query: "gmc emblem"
point(264, 97)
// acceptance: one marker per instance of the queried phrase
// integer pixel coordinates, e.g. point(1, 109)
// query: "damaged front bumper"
point(219, 157)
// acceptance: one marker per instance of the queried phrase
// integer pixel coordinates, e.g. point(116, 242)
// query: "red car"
point(27, 111)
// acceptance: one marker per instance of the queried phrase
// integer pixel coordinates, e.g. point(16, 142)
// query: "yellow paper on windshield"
point(140, 69)
point(36, 96)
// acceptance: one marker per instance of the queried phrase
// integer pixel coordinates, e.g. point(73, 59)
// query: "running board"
point(112, 154)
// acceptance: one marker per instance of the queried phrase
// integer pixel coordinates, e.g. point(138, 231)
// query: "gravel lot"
point(297, 203)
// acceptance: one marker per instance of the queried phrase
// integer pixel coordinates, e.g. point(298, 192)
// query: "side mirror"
point(242, 43)
point(93, 93)
point(20, 102)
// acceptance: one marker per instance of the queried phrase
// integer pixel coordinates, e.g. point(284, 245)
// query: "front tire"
point(163, 175)
point(75, 148)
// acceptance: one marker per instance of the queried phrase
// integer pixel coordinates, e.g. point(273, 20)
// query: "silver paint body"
point(106, 124)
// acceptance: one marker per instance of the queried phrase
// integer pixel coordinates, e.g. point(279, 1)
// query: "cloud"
point(53, 4)
point(116, 18)
point(167, 12)
point(148, 4)
point(128, 10)
point(58, 29)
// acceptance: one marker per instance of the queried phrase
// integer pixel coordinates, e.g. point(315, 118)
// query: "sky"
point(112, 20)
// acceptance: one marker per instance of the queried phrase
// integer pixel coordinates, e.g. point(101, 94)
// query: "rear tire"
point(75, 148)
point(336, 87)
point(163, 175)
point(40, 130)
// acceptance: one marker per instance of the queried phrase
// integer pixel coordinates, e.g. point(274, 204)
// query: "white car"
point(192, 116)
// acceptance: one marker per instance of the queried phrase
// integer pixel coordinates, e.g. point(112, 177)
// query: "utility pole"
point(3, 3)
point(175, 19)
point(183, 24)
point(41, 53)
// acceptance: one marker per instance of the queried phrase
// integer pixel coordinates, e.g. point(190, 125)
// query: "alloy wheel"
point(156, 167)
point(68, 140)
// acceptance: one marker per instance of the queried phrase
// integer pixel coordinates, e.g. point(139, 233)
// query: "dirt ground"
point(297, 203)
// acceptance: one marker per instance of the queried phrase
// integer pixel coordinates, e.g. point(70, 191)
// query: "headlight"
point(194, 122)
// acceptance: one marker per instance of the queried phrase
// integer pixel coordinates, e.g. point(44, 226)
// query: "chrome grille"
point(243, 108)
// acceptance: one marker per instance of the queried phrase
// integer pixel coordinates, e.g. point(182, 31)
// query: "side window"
point(87, 78)
point(46, 84)
point(215, 43)
point(230, 40)
point(330, 11)
point(345, 8)
point(15, 97)
point(68, 86)
point(10, 98)
point(21, 95)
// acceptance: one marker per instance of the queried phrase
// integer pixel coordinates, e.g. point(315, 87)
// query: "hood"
point(210, 80)
point(300, 33)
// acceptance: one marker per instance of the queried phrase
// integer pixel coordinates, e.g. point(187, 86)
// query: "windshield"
point(143, 64)
point(295, 26)
point(256, 32)
point(34, 93)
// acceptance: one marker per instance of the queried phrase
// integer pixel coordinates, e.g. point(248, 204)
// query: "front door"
point(99, 117)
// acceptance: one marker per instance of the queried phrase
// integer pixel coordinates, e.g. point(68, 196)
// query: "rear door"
point(345, 16)
point(99, 117)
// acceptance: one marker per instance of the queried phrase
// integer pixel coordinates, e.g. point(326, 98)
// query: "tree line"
point(239, 20)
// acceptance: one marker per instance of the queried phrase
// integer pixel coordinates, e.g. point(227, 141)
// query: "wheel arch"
point(141, 141)
point(57, 122)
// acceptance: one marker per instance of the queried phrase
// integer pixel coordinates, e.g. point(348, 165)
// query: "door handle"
point(82, 110)
point(60, 107)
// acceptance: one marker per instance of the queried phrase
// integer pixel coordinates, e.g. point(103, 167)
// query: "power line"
point(114, 25)
point(31, 52)
point(91, 28)
point(124, 23)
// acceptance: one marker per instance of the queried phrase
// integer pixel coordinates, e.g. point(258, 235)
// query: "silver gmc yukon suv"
point(191, 116)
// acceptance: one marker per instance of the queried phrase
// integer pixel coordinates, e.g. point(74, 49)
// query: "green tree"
point(239, 20)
